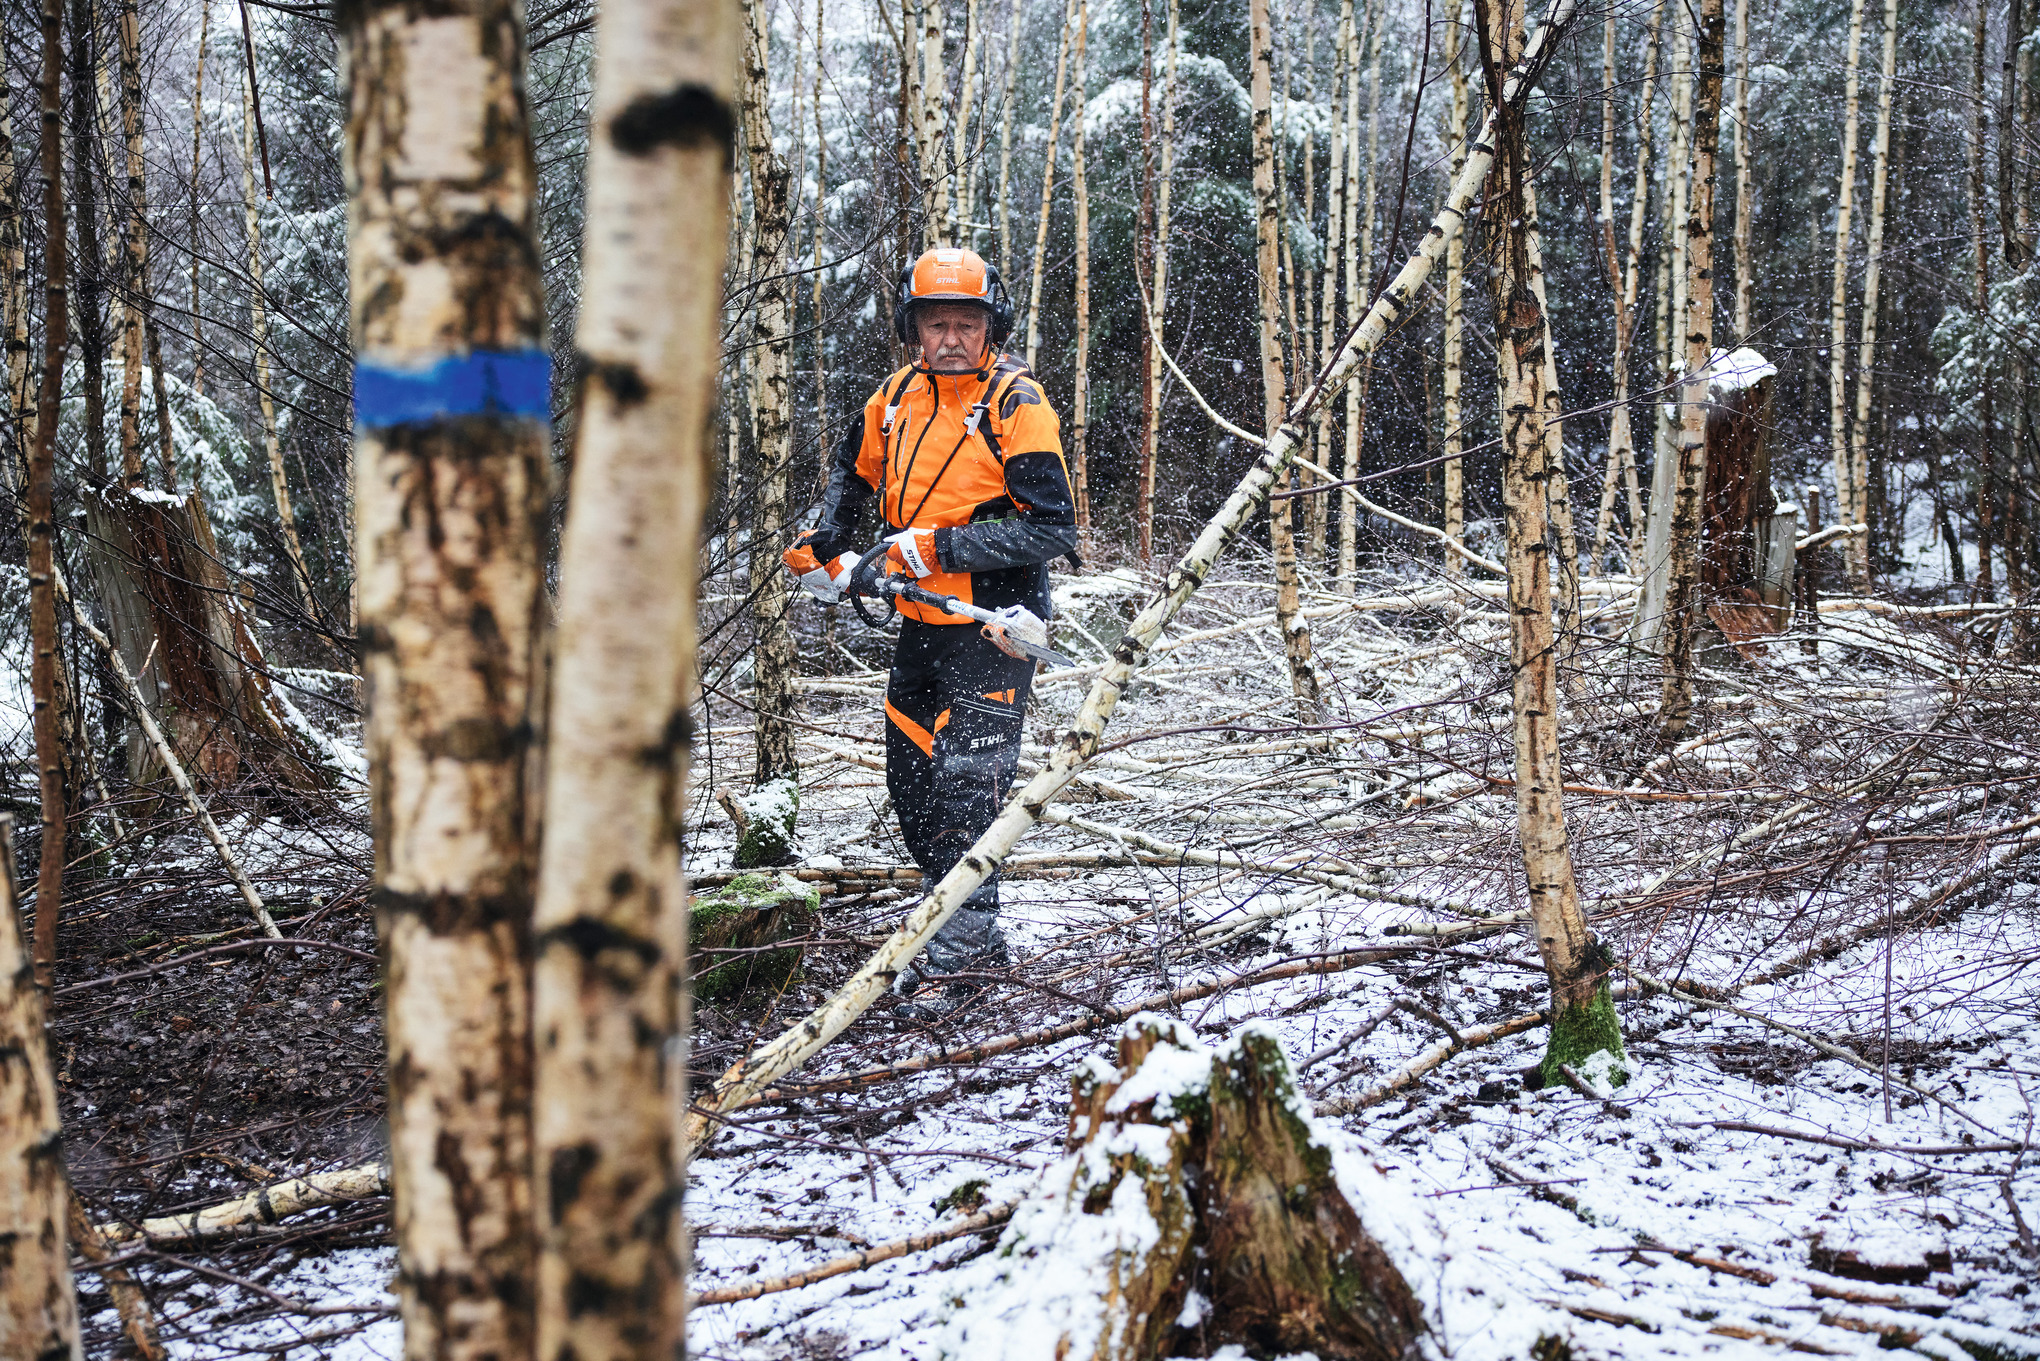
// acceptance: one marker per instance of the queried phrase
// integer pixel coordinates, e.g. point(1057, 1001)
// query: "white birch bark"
point(1849, 511)
point(1080, 400)
point(1359, 264)
point(1583, 1019)
point(934, 105)
point(1080, 743)
point(962, 204)
point(1159, 296)
point(1455, 306)
point(452, 502)
point(610, 924)
point(1745, 180)
point(1334, 252)
point(773, 698)
point(1621, 432)
point(1682, 599)
point(1055, 108)
point(1866, 351)
point(1005, 196)
point(1288, 602)
point(258, 331)
point(38, 1302)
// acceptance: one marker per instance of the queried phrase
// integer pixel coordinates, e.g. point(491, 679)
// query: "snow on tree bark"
point(1288, 602)
point(1689, 479)
point(1151, 425)
point(1080, 742)
point(452, 477)
point(610, 929)
point(1202, 1208)
point(1621, 432)
point(38, 1303)
point(1055, 108)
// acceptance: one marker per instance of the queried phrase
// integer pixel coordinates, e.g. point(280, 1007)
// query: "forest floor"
point(1841, 846)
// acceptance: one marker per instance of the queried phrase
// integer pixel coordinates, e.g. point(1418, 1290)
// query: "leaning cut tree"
point(1079, 745)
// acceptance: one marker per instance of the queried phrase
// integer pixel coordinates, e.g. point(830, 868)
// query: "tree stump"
point(181, 627)
point(1201, 1207)
point(731, 931)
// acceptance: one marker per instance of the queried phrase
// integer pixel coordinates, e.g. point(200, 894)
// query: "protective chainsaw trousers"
point(954, 711)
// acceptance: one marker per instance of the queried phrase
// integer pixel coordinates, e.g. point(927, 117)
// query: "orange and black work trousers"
point(952, 742)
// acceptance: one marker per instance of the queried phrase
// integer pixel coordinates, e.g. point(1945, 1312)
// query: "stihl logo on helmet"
point(951, 275)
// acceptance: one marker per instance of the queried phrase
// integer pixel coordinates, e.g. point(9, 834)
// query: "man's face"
point(953, 335)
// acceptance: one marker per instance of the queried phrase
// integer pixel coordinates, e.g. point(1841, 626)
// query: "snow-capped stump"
point(1212, 1209)
point(729, 929)
point(764, 819)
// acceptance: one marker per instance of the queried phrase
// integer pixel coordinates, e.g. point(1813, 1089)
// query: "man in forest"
point(964, 455)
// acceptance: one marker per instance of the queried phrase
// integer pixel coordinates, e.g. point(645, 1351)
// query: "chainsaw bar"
point(949, 604)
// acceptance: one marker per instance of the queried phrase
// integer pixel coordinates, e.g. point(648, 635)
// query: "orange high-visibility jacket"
point(977, 457)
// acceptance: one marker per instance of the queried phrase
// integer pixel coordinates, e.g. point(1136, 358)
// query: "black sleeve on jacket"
point(1044, 527)
point(844, 498)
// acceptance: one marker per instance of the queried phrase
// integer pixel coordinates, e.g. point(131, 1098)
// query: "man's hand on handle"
point(912, 550)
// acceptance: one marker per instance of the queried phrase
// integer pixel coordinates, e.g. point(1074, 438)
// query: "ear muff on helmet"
point(914, 288)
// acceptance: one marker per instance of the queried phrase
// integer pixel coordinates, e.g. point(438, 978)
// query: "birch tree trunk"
point(134, 246)
point(1080, 743)
point(1144, 510)
point(452, 394)
point(934, 101)
point(1455, 307)
point(1005, 198)
point(47, 664)
point(1288, 603)
point(2017, 252)
point(963, 205)
point(1335, 235)
point(609, 1008)
point(1359, 264)
point(1682, 602)
point(1062, 55)
point(1080, 401)
point(14, 259)
point(1980, 247)
point(258, 322)
point(90, 264)
point(38, 1302)
point(1583, 1018)
point(772, 355)
point(1745, 181)
point(1866, 351)
point(1625, 281)
point(191, 225)
point(1849, 511)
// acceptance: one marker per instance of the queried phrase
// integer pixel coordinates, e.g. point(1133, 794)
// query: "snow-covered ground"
point(1838, 846)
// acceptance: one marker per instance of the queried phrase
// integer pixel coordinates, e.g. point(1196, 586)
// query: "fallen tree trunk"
point(1080, 744)
point(246, 1216)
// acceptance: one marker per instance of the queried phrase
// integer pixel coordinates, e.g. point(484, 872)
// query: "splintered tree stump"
point(1200, 1208)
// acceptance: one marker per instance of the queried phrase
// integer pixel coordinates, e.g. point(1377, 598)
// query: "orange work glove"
point(913, 550)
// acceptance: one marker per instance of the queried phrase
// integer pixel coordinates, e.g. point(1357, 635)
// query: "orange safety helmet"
point(951, 275)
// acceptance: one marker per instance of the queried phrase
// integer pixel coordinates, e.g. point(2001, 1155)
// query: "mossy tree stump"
point(1200, 1208)
point(732, 931)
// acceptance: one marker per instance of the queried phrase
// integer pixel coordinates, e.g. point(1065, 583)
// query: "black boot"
point(969, 942)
